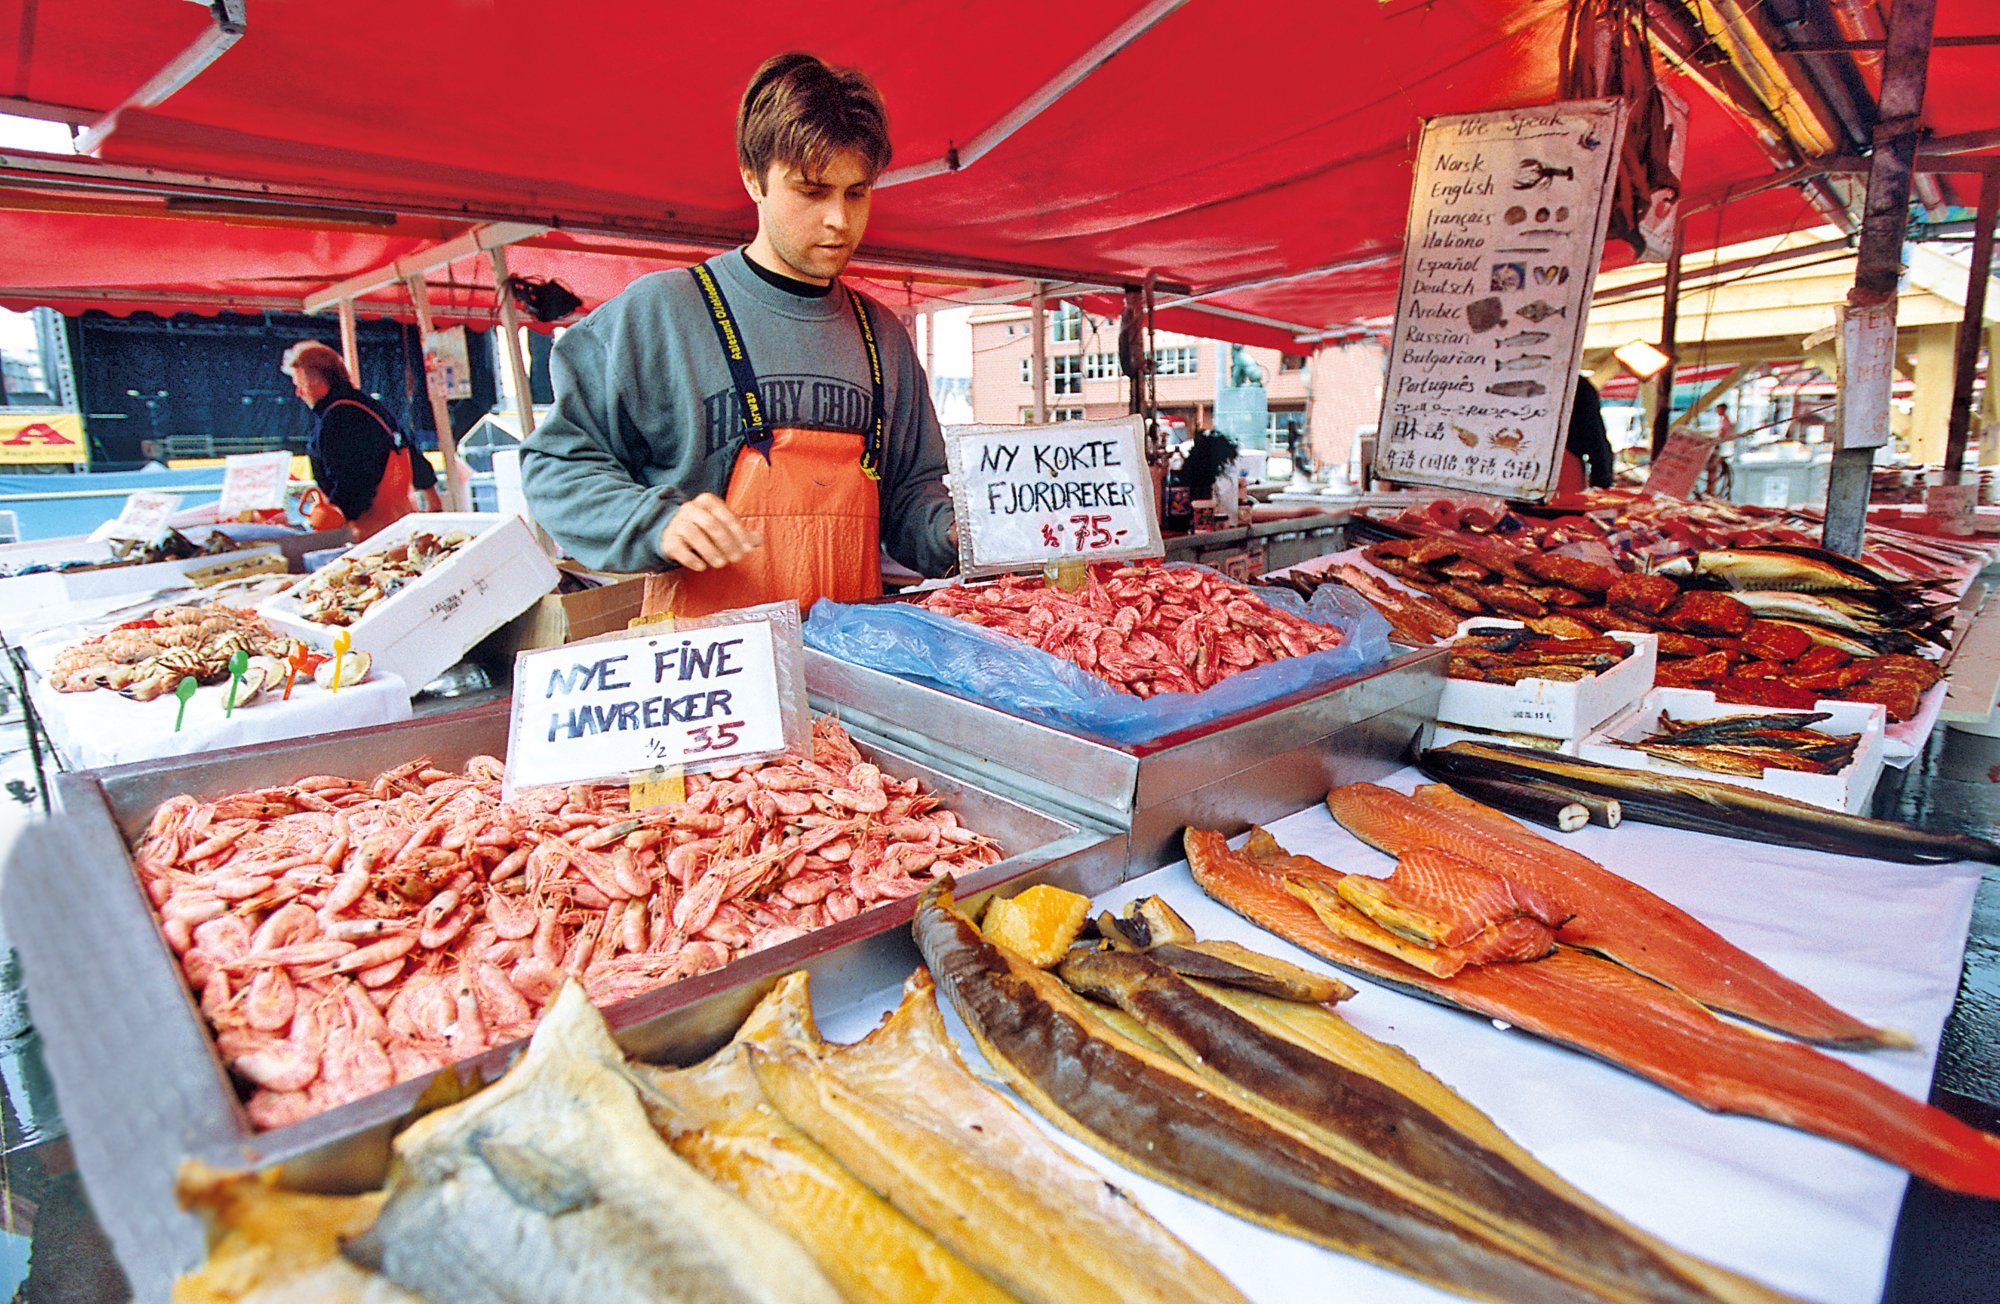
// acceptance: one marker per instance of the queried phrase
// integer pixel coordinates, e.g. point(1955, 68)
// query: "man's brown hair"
point(317, 360)
point(798, 110)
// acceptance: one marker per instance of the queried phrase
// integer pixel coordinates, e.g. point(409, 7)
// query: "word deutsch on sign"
point(695, 698)
point(1031, 494)
point(1679, 463)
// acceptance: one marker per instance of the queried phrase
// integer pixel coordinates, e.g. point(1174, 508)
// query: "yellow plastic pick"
point(342, 640)
point(661, 784)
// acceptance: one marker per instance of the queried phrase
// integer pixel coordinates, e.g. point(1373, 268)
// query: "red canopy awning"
point(1230, 149)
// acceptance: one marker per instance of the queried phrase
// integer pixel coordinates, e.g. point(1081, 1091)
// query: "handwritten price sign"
point(1680, 463)
point(1028, 495)
point(694, 698)
point(253, 482)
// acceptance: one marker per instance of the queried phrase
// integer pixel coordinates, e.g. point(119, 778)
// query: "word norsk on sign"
point(1030, 495)
point(690, 697)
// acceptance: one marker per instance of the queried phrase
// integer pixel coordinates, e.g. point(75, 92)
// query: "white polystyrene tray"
point(1547, 707)
point(426, 626)
point(1849, 789)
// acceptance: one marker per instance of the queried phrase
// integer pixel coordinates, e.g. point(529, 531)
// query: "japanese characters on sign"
point(1028, 495)
point(1507, 218)
point(688, 697)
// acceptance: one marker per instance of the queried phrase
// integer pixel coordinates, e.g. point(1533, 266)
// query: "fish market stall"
point(108, 993)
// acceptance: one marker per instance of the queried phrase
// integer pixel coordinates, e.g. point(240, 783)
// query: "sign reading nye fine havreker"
point(1029, 495)
point(688, 697)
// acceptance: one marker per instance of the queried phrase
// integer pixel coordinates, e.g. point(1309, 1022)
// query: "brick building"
point(1084, 380)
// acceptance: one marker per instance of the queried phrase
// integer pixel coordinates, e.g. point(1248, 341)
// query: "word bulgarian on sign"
point(253, 482)
point(1679, 463)
point(1507, 217)
point(1028, 495)
point(693, 697)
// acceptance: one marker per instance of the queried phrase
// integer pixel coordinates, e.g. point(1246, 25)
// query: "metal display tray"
point(139, 1081)
point(1253, 765)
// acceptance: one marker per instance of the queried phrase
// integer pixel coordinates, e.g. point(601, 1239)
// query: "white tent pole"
point(510, 333)
point(1038, 323)
point(350, 342)
point(455, 497)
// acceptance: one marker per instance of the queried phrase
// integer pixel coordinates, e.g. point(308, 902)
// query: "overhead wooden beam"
point(1971, 328)
point(480, 239)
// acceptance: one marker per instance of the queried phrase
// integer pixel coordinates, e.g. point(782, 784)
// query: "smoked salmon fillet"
point(1594, 1005)
point(1615, 917)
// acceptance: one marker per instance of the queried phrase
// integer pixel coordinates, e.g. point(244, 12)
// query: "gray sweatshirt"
point(646, 416)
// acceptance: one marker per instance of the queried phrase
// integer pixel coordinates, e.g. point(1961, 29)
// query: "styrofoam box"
point(1434, 734)
point(426, 626)
point(1847, 790)
point(1550, 708)
point(42, 587)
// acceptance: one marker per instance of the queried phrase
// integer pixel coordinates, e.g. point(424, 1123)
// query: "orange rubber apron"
point(811, 493)
point(392, 500)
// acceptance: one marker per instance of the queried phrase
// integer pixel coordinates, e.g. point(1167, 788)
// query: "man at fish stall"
point(363, 463)
point(752, 425)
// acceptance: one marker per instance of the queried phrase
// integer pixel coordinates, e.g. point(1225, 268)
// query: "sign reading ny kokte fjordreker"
point(1507, 218)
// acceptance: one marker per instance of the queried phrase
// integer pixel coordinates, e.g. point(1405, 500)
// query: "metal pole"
point(1038, 324)
point(1971, 329)
point(1879, 260)
point(350, 342)
point(1670, 325)
point(455, 497)
point(510, 332)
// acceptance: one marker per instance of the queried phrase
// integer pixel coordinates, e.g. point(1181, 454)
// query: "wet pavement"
point(1947, 1246)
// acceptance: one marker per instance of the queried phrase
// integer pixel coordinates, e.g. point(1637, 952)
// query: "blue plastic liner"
point(973, 662)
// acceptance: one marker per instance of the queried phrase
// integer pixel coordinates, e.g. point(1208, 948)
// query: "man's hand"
point(703, 532)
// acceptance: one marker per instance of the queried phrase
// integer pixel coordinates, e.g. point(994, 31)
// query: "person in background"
point(752, 425)
point(1587, 442)
point(364, 465)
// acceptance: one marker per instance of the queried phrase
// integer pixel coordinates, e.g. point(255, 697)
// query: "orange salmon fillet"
point(1607, 1010)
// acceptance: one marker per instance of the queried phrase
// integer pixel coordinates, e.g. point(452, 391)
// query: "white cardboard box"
point(426, 626)
point(20, 592)
point(1847, 790)
point(1550, 708)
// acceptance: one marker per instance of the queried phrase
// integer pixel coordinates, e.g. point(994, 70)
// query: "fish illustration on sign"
point(1518, 388)
point(1484, 314)
point(1526, 362)
point(1542, 310)
point(1522, 340)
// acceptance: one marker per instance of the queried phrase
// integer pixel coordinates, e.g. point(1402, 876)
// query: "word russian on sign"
point(1507, 218)
point(143, 519)
point(1679, 463)
point(253, 482)
point(1028, 495)
point(1867, 347)
point(695, 698)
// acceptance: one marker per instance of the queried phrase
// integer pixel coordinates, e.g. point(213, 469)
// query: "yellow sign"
point(42, 437)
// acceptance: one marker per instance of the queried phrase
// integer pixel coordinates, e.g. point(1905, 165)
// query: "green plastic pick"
point(183, 690)
point(239, 661)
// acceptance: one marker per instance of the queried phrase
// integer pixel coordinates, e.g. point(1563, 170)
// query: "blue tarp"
point(57, 518)
point(969, 661)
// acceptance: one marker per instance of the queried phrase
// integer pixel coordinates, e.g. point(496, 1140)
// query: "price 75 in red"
point(1091, 532)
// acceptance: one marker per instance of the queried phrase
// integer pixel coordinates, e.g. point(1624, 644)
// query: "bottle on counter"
point(1177, 499)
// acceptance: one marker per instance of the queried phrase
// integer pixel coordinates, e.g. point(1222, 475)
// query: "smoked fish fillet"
point(1606, 1009)
point(1615, 917)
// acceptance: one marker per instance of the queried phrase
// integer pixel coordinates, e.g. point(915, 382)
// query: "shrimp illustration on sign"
point(1467, 437)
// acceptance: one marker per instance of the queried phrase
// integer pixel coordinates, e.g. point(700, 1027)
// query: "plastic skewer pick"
point(342, 640)
point(183, 690)
point(298, 664)
point(239, 661)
